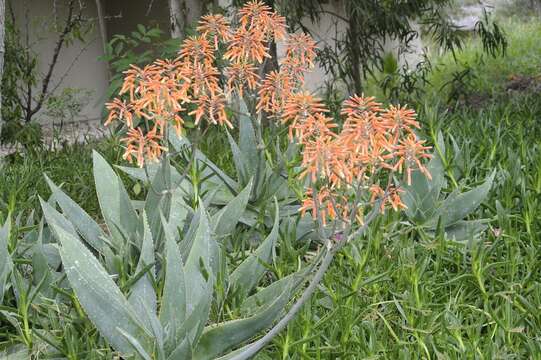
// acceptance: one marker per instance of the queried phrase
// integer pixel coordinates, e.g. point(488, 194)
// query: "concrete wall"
point(78, 65)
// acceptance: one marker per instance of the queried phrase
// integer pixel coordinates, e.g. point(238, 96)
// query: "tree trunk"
point(103, 32)
point(177, 18)
point(354, 54)
point(2, 36)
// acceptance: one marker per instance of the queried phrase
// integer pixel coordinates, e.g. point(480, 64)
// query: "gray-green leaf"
point(247, 275)
point(225, 220)
point(218, 339)
point(99, 296)
point(142, 292)
point(173, 308)
point(85, 225)
point(115, 204)
point(458, 207)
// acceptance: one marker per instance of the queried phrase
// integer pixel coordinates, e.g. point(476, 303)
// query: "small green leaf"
point(6, 263)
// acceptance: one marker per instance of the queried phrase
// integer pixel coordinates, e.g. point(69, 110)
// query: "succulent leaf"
point(115, 204)
point(247, 275)
point(89, 230)
point(99, 296)
point(142, 292)
point(173, 304)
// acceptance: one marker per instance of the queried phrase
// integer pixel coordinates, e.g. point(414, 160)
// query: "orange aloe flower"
point(360, 105)
point(275, 89)
point(252, 12)
point(301, 49)
point(196, 50)
point(213, 108)
point(275, 26)
point(395, 200)
point(119, 110)
point(399, 118)
point(313, 126)
point(216, 27)
point(203, 79)
point(300, 106)
point(331, 205)
point(321, 158)
point(240, 75)
point(247, 45)
point(410, 152)
point(142, 146)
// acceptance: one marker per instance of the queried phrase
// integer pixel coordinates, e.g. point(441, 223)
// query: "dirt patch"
point(523, 83)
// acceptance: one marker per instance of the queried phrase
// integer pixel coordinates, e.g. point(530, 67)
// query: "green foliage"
point(22, 176)
point(427, 210)
point(19, 67)
point(116, 277)
point(140, 47)
point(484, 77)
point(363, 28)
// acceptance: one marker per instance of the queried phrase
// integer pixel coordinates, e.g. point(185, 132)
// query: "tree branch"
point(68, 27)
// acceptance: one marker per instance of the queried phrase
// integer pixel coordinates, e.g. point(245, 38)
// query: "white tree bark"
point(103, 30)
point(177, 18)
point(2, 36)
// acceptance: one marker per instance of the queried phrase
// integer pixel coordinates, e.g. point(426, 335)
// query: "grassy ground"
point(488, 76)
point(399, 293)
point(22, 179)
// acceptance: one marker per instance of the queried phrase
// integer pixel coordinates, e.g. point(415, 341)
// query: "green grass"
point(490, 75)
point(23, 180)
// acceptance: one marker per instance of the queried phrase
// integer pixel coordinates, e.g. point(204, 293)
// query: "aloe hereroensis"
point(350, 164)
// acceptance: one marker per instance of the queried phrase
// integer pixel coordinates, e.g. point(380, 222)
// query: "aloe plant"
point(157, 304)
point(429, 209)
point(217, 189)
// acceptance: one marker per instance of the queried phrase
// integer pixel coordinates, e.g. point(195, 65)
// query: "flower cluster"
point(372, 145)
point(167, 92)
